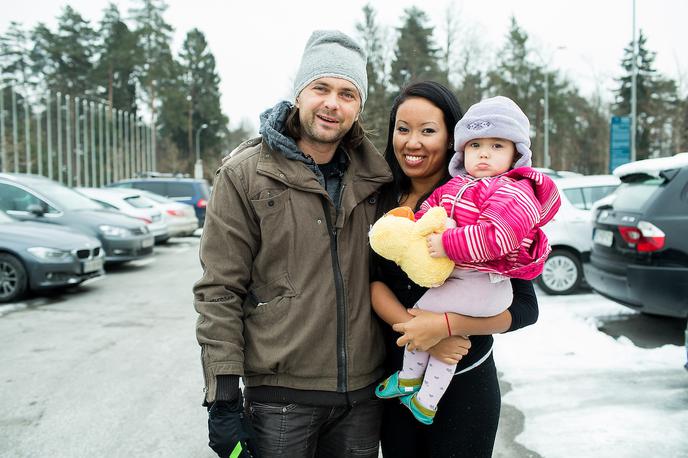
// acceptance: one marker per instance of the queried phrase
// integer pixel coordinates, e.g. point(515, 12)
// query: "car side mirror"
point(36, 210)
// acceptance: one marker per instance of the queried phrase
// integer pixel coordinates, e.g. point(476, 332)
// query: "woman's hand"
point(423, 331)
point(451, 349)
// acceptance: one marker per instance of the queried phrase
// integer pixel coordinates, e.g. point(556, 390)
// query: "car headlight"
point(114, 231)
point(50, 254)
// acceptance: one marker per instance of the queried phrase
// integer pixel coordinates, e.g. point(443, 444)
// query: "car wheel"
point(13, 278)
point(562, 273)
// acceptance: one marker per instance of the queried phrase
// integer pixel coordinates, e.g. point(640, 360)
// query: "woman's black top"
point(524, 311)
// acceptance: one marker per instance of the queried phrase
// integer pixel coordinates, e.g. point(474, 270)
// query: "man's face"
point(328, 107)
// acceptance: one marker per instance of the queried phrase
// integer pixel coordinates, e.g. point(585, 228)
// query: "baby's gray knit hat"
point(331, 53)
point(497, 117)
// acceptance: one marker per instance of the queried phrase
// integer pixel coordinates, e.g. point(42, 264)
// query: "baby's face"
point(488, 157)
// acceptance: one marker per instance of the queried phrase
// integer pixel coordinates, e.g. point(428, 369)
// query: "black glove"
point(229, 431)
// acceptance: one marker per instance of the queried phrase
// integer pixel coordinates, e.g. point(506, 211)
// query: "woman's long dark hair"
point(445, 100)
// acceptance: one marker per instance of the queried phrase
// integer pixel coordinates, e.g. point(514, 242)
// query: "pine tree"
point(65, 58)
point(656, 101)
point(376, 114)
point(682, 127)
point(195, 100)
point(155, 62)
point(117, 52)
point(156, 66)
point(416, 57)
point(520, 80)
point(15, 59)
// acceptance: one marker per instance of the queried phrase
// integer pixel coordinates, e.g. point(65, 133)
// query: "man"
point(284, 298)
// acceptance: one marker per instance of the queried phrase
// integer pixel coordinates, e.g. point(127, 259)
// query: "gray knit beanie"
point(497, 117)
point(331, 53)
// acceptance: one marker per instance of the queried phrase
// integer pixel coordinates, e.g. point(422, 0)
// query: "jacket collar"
point(281, 159)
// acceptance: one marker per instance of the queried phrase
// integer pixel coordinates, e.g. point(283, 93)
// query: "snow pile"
point(584, 393)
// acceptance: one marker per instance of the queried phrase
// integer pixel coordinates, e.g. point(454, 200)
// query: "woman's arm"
point(426, 329)
point(388, 307)
point(386, 304)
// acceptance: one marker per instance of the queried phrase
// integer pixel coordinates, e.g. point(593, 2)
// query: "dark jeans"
point(297, 430)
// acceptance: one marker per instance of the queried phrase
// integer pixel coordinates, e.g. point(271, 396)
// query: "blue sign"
point(619, 141)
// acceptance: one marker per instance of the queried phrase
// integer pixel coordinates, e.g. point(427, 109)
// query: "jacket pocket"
point(266, 298)
point(269, 202)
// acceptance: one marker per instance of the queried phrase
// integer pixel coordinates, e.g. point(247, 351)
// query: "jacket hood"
point(545, 191)
point(272, 126)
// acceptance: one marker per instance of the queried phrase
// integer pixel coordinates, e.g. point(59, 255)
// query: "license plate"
point(91, 265)
point(602, 237)
point(145, 243)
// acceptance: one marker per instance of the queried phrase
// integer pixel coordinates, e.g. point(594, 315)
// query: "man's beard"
point(311, 131)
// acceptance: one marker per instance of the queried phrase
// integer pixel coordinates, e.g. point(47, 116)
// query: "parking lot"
point(112, 368)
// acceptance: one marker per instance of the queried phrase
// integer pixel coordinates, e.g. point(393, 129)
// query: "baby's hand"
point(435, 247)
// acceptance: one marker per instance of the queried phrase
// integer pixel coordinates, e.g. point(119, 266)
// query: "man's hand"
point(229, 431)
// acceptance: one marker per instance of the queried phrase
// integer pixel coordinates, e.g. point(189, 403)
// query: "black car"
point(640, 241)
point(40, 256)
point(190, 191)
point(36, 198)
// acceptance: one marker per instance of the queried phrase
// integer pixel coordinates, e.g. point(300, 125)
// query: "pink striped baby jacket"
point(498, 221)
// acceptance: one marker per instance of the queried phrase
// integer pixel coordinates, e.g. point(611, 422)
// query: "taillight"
point(646, 237)
point(175, 212)
point(201, 203)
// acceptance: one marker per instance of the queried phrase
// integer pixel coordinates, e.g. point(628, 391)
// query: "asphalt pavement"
point(112, 368)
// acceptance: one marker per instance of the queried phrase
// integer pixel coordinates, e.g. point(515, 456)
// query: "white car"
point(570, 232)
point(132, 203)
point(180, 217)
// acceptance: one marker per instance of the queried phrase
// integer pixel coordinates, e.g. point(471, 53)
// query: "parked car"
point(35, 256)
point(556, 174)
point(36, 198)
point(570, 232)
point(640, 251)
point(190, 191)
point(132, 203)
point(180, 218)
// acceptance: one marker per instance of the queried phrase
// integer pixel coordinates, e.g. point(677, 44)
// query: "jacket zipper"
point(205, 376)
point(341, 299)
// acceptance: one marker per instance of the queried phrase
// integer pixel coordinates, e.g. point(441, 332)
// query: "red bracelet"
point(446, 318)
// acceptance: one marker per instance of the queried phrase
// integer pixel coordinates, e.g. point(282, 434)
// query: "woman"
point(419, 148)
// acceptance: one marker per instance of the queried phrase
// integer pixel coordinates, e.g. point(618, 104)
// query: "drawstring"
point(459, 194)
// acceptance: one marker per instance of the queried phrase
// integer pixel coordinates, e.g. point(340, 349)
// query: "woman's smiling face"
point(421, 139)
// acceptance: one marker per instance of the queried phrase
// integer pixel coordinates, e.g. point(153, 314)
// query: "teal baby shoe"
point(392, 387)
point(422, 413)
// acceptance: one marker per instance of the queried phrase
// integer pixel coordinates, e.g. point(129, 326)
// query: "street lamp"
point(198, 167)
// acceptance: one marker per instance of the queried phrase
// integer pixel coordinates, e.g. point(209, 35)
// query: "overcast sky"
point(258, 43)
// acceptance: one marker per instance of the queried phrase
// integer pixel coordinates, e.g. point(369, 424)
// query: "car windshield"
point(158, 198)
point(5, 218)
point(139, 202)
point(633, 196)
point(583, 198)
point(67, 198)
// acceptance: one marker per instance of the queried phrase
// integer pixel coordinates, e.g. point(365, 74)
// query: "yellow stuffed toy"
point(398, 237)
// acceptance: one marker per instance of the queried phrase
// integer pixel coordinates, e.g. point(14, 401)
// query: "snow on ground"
point(584, 393)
